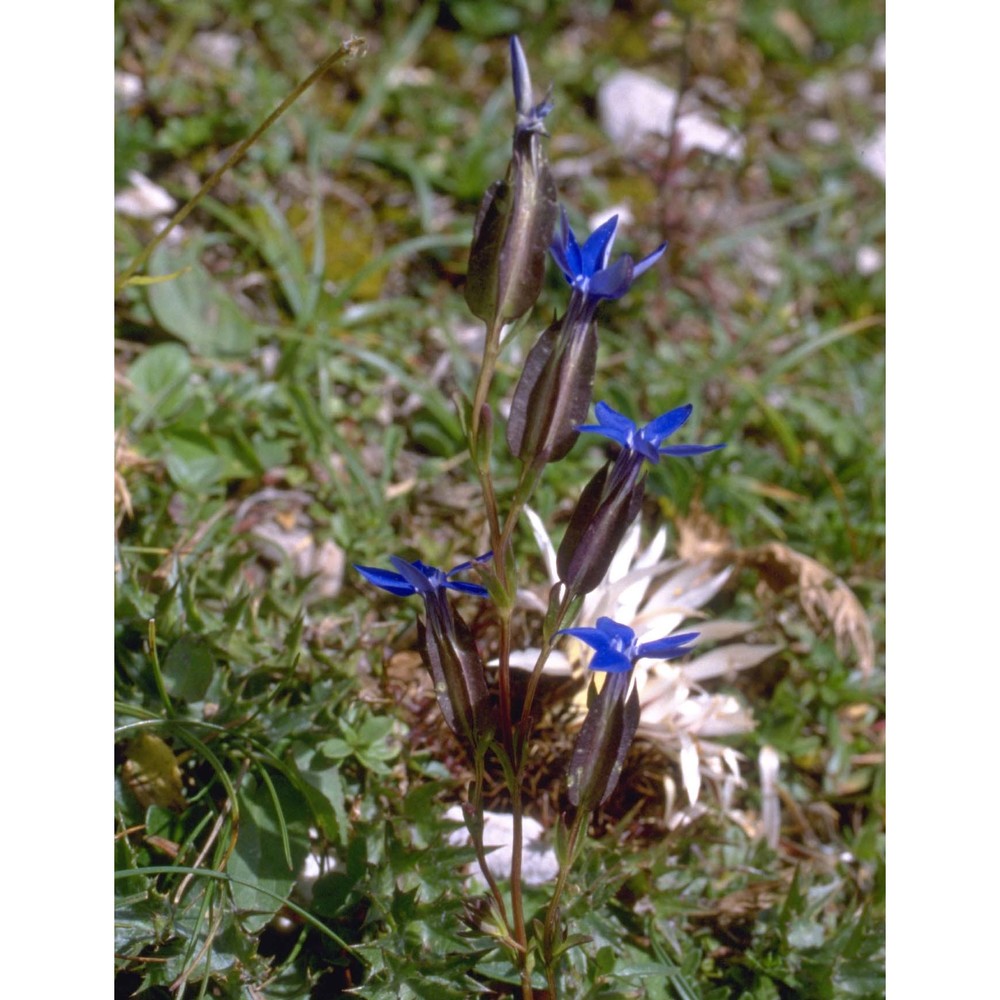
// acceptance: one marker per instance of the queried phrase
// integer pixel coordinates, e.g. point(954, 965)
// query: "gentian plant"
point(515, 228)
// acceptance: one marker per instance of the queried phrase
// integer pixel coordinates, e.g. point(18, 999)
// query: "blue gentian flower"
point(646, 441)
point(586, 267)
point(419, 578)
point(613, 716)
point(616, 649)
point(611, 501)
point(447, 644)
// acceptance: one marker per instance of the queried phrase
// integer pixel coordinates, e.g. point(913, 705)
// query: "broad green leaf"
point(259, 856)
point(188, 668)
point(195, 308)
point(191, 459)
point(160, 378)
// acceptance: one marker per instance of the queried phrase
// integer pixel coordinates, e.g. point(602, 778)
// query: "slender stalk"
point(154, 660)
point(477, 840)
point(348, 48)
point(517, 806)
point(503, 683)
point(492, 517)
point(551, 916)
point(516, 893)
point(491, 351)
point(536, 673)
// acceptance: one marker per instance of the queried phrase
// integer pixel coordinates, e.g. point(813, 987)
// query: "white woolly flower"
point(676, 712)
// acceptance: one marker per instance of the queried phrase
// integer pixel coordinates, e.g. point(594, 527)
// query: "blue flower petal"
point(613, 282)
point(668, 647)
point(393, 582)
point(597, 249)
point(468, 588)
point(608, 416)
point(612, 424)
point(586, 268)
point(591, 636)
point(611, 661)
point(424, 578)
point(558, 251)
point(663, 426)
point(462, 567)
point(620, 634)
point(613, 644)
point(687, 450)
point(649, 260)
point(420, 578)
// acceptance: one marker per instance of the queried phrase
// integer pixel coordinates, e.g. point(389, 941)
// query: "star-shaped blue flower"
point(419, 578)
point(586, 267)
point(616, 649)
point(646, 441)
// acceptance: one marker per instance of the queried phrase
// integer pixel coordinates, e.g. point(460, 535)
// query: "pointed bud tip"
point(521, 77)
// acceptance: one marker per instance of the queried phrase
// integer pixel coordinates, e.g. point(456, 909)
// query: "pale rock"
point(868, 261)
point(143, 199)
point(823, 131)
point(538, 862)
point(128, 89)
point(871, 153)
point(633, 106)
point(218, 47)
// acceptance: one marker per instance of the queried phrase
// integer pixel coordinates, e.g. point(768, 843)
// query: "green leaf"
point(140, 923)
point(195, 308)
point(327, 784)
point(188, 668)
point(486, 19)
point(259, 855)
point(192, 460)
point(335, 748)
point(161, 380)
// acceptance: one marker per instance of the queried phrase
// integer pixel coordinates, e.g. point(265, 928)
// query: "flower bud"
point(450, 653)
point(603, 743)
point(607, 506)
point(553, 395)
point(516, 219)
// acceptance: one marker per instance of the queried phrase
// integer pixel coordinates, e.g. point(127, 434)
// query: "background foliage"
point(286, 402)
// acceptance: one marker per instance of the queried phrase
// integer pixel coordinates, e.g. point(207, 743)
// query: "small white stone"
point(878, 53)
point(633, 106)
point(871, 153)
point(144, 199)
point(868, 260)
point(128, 88)
point(538, 862)
point(218, 48)
point(823, 131)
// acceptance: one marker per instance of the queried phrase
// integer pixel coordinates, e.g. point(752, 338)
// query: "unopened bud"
point(553, 395)
point(603, 743)
point(608, 505)
point(450, 652)
point(516, 219)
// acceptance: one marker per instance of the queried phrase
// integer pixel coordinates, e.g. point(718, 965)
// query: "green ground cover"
point(285, 405)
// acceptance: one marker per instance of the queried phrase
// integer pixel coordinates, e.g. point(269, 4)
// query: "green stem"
point(491, 351)
point(552, 915)
point(348, 48)
point(536, 673)
point(477, 839)
point(516, 893)
point(157, 673)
